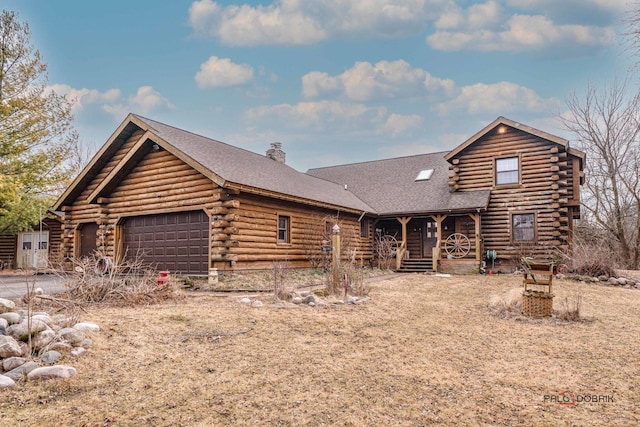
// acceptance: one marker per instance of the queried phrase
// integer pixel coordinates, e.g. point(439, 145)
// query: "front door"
point(33, 249)
point(429, 238)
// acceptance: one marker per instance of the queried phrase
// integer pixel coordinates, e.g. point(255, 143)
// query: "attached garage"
point(177, 241)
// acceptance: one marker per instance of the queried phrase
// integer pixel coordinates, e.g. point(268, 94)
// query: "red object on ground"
point(163, 278)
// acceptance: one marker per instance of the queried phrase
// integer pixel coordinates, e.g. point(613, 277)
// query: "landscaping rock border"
point(52, 341)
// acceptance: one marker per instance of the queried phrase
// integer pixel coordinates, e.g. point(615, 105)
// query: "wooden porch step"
point(416, 265)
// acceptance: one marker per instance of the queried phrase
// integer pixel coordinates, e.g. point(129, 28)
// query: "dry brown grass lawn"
point(423, 351)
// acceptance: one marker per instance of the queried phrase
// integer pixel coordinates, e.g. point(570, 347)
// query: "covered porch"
point(442, 242)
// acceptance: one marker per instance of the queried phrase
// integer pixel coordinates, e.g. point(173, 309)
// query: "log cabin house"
point(187, 203)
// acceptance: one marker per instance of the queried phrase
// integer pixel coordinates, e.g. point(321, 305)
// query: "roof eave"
point(292, 198)
point(71, 189)
point(504, 121)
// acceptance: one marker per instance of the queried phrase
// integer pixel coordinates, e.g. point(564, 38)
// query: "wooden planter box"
point(537, 304)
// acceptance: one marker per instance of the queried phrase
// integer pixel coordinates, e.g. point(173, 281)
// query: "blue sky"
point(336, 81)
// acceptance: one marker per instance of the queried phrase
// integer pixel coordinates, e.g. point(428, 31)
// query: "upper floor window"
point(507, 171)
point(284, 223)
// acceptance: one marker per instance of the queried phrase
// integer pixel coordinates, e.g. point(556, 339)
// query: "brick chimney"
point(276, 153)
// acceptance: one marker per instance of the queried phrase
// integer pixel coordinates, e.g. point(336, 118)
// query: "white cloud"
point(554, 7)
point(148, 99)
point(498, 98)
point(490, 27)
point(479, 15)
point(525, 32)
point(335, 117)
point(81, 98)
point(398, 124)
point(221, 72)
point(299, 22)
point(383, 80)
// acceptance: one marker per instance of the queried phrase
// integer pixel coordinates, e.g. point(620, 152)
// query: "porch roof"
point(390, 185)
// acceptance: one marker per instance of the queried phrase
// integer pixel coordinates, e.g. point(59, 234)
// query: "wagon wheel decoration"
point(388, 244)
point(457, 245)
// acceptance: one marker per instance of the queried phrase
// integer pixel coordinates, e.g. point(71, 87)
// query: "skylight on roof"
point(424, 175)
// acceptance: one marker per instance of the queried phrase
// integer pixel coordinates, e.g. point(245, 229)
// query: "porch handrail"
point(401, 252)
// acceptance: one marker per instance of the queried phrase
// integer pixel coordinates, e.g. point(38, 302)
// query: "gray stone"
point(4, 324)
point(86, 326)
point(20, 331)
point(11, 317)
point(12, 363)
point(6, 305)
point(311, 298)
point(73, 336)
point(622, 280)
point(43, 317)
point(257, 303)
point(78, 351)
point(43, 339)
point(6, 382)
point(51, 357)
point(87, 342)
point(9, 347)
point(296, 300)
point(52, 372)
point(613, 281)
point(18, 373)
point(61, 346)
point(245, 300)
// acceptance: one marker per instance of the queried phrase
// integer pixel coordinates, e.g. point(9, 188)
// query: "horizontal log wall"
point(243, 227)
point(546, 188)
point(159, 183)
point(257, 244)
point(8, 244)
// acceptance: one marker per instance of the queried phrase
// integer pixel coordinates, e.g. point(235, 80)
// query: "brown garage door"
point(176, 242)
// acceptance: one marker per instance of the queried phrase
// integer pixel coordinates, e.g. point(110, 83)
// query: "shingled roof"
point(226, 165)
point(390, 185)
point(382, 187)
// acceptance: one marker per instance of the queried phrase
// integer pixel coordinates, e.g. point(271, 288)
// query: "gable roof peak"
point(500, 121)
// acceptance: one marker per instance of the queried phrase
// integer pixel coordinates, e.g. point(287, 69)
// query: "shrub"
point(570, 308)
point(507, 305)
point(98, 279)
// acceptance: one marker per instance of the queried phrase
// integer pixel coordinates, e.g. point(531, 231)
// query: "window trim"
point(495, 171)
point(364, 228)
point(286, 229)
point(512, 215)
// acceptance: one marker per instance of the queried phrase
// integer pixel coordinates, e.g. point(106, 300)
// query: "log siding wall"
point(257, 238)
point(546, 188)
point(243, 227)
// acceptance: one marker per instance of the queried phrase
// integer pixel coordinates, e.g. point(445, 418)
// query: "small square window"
point(283, 229)
point(507, 171)
point(523, 227)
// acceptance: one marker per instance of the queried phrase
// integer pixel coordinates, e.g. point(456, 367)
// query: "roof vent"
point(424, 175)
point(276, 153)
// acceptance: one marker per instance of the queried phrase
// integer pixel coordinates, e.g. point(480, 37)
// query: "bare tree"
point(606, 124)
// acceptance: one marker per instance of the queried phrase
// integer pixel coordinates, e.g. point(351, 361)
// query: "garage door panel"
point(177, 242)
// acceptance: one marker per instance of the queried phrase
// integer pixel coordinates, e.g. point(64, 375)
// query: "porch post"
point(436, 251)
point(476, 220)
point(402, 250)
